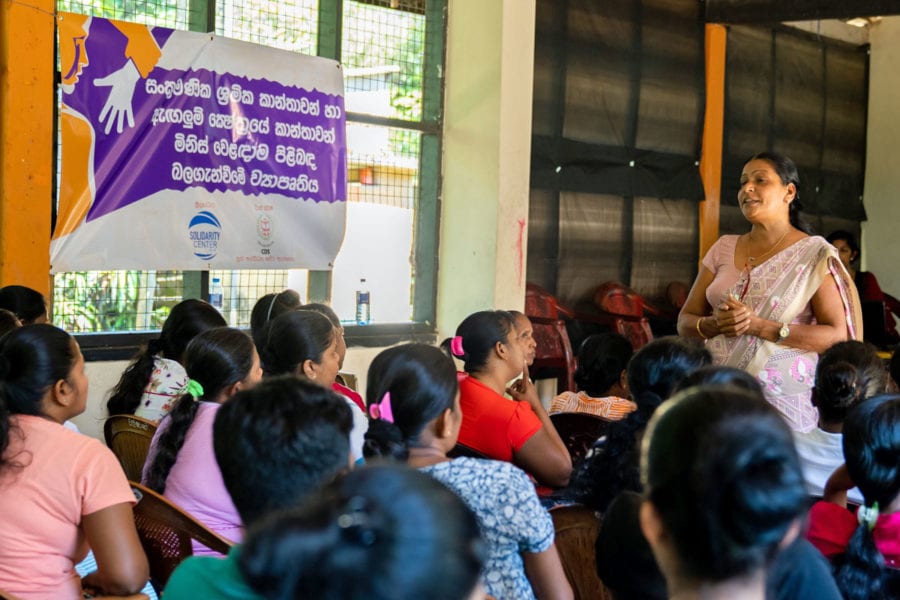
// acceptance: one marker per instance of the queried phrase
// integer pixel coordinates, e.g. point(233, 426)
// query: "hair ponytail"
point(215, 360)
point(871, 442)
point(419, 383)
point(126, 396)
point(476, 337)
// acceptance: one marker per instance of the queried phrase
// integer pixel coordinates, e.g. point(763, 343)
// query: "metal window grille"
point(384, 53)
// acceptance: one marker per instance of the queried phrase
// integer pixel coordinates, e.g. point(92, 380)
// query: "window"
point(392, 53)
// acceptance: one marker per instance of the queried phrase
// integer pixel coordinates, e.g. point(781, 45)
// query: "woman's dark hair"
point(653, 372)
point(787, 172)
point(384, 532)
point(721, 375)
point(872, 454)
point(847, 373)
point(422, 384)
point(294, 338)
point(323, 309)
point(480, 332)
point(187, 319)
point(32, 359)
point(267, 308)
point(215, 359)
point(27, 304)
point(601, 360)
point(8, 321)
point(849, 238)
point(721, 470)
point(278, 442)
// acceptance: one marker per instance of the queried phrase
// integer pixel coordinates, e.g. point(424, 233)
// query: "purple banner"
point(200, 128)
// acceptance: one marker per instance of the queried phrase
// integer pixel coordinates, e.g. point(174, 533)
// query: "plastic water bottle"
point(216, 293)
point(362, 303)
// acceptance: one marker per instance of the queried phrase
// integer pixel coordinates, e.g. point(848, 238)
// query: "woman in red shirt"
point(517, 430)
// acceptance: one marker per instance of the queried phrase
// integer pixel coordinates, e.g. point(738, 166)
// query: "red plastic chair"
point(553, 355)
point(622, 309)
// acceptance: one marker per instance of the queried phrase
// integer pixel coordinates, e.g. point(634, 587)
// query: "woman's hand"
point(733, 317)
point(523, 389)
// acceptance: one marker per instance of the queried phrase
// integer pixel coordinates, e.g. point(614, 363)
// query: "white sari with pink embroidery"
point(780, 289)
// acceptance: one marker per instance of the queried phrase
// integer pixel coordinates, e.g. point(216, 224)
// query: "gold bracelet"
point(700, 331)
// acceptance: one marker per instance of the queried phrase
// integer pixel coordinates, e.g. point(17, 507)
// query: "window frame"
point(104, 346)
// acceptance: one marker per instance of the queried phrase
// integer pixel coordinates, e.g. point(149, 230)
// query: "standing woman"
point(181, 464)
point(518, 430)
point(155, 379)
point(60, 492)
point(771, 300)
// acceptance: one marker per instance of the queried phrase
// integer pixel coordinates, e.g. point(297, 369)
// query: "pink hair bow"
point(456, 346)
point(382, 410)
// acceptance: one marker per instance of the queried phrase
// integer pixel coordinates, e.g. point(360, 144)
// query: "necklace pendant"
point(751, 259)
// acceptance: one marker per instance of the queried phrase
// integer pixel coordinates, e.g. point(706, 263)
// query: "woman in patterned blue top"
point(413, 397)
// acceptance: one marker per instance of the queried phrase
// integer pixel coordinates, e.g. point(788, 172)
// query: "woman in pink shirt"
point(61, 492)
point(181, 464)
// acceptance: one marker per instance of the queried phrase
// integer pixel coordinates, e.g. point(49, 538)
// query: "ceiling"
point(762, 12)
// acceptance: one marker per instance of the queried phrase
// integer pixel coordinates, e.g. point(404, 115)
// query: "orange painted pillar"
point(26, 141)
point(711, 161)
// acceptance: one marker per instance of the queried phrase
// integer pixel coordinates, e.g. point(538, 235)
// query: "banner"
point(183, 150)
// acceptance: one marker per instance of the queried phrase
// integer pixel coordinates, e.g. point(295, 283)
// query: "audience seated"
point(342, 350)
point(275, 444)
point(413, 396)
point(518, 431)
point(155, 379)
point(28, 305)
point(724, 492)
point(601, 378)
point(60, 492)
point(865, 546)
point(181, 465)
point(305, 343)
point(625, 562)
point(848, 373)
point(267, 308)
point(379, 533)
point(613, 467)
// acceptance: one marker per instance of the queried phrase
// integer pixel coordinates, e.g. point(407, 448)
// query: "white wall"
point(880, 243)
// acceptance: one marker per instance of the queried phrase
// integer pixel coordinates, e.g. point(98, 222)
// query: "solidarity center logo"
point(205, 231)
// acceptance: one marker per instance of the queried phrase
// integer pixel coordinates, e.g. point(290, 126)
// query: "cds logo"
point(205, 231)
point(264, 230)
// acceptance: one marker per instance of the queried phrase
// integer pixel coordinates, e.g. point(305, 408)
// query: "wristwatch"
point(783, 333)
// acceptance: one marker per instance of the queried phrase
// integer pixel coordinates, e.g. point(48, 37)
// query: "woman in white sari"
point(771, 300)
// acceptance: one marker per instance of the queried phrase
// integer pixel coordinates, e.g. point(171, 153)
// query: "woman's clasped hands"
point(733, 317)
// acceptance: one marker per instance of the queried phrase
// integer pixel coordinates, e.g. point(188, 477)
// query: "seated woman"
point(413, 396)
point(267, 308)
point(723, 492)
point(625, 562)
point(60, 492)
point(653, 373)
point(378, 533)
point(518, 431)
point(181, 464)
point(866, 283)
point(27, 304)
point(848, 373)
point(155, 379)
point(865, 546)
point(304, 343)
point(601, 378)
point(337, 386)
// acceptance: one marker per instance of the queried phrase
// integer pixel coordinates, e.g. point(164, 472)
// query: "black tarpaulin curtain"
point(617, 130)
point(803, 96)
